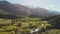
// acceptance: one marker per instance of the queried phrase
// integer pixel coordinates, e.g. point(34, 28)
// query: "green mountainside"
point(4, 12)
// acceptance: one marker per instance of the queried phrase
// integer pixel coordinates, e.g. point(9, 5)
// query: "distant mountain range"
point(20, 10)
point(56, 12)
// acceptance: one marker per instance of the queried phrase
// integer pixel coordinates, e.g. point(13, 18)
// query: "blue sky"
point(47, 4)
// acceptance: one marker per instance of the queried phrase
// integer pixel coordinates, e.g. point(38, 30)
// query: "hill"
point(5, 5)
point(55, 21)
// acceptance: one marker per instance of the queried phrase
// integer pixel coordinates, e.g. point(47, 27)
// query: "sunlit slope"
point(4, 21)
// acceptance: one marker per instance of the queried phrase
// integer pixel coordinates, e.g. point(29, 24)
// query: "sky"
point(46, 4)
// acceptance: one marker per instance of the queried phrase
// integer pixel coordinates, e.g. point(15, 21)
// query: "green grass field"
point(25, 25)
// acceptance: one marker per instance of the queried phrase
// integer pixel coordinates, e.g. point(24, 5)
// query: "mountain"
point(36, 11)
point(23, 9)
point(54, 12)
point(20, 10)
point(5, 5)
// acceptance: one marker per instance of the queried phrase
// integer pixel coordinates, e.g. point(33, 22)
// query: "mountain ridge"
point(19, 10)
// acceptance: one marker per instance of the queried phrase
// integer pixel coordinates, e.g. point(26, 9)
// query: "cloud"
point(49, 6)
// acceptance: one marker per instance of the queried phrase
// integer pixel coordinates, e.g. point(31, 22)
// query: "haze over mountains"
point(20, 10)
